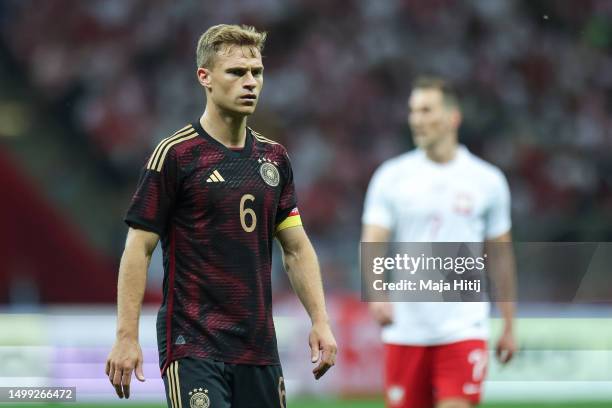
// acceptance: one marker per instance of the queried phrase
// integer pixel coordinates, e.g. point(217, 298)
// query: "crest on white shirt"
point(463, 203)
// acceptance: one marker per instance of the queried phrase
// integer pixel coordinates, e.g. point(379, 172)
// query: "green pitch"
point(327, 404)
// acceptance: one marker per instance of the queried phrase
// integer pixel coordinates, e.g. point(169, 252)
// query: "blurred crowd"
point(535, 80)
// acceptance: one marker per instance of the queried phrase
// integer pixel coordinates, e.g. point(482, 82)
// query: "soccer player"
point(436, 353)
point(216, 193)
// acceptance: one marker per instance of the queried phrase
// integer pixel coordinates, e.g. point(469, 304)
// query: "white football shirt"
point(419, 200)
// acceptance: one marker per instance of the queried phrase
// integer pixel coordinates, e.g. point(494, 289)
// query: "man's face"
point(235, 80)
point(429, 118)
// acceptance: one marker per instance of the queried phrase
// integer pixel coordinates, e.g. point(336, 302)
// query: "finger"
point(314, 351)
point(139, 373)
point(107, 368)
point(384, 319)
point(503, 356)
point(111, 372)
point(117, 383)
point(325, 364)
point(333, 355)
point(320, 370)
point(322, 362)
point(389, 316)
point(323, 357)
point(498, 352)
point(508, 353)
point(118, 391)
point(328, 356)
point(125, 382)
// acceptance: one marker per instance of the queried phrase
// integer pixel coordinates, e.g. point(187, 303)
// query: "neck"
point(444, 151)
point(228, 129)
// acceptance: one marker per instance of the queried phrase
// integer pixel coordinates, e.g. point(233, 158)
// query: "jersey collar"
point(248, 143)
point(460, 154)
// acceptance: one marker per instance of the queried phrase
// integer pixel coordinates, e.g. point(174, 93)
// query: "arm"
point(504, 283)
point(374, 233)
point(382, 311)
point(126, 355)
point(300, 261)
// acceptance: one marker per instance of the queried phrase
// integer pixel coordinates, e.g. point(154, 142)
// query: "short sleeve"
point(377, 208)
point(155, 194)
point(497, 217)
point(287, 214)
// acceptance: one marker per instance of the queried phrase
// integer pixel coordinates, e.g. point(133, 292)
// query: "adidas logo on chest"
point(215, 177)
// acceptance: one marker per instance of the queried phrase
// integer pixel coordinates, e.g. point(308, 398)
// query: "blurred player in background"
point(216, 193)
point(436, 353)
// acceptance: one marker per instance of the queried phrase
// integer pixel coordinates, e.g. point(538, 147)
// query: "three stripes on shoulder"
point(259, 137)
point(156, 162)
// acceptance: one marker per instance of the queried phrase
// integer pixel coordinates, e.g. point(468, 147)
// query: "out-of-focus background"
point(87, 89)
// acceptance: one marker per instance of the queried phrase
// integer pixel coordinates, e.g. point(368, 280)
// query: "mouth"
point(248, 97)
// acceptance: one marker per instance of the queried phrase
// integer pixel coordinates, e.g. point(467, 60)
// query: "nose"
point(250, 82)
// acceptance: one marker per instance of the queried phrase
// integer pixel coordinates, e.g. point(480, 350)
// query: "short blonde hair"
point(212, 41)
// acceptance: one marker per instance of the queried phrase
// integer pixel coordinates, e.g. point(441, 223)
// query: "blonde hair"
point(212, 41)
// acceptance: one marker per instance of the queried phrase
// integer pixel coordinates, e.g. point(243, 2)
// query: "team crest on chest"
point(199, 398)
point(463, 203)
point(269, 172)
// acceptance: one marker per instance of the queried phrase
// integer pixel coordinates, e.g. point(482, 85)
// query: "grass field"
point(330, 404)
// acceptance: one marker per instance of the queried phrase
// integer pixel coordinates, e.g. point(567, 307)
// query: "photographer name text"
point(428, 285)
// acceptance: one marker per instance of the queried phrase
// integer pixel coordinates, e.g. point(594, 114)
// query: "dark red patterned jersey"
point(216, 211)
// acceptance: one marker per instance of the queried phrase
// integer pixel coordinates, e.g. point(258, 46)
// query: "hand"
point(506, 347)
point(125, 357)
point(382, 312)
point(323, 348)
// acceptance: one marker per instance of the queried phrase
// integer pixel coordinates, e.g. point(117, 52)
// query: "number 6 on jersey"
point(247, 211)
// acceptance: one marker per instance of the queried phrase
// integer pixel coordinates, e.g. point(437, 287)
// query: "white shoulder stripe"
point(160, 145)
point(167, 148)
point(261, 138)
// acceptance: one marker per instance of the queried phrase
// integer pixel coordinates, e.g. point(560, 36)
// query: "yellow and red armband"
point(292, 220)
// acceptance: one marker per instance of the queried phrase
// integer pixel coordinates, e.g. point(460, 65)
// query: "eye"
point(236, 71)
point(257, 72)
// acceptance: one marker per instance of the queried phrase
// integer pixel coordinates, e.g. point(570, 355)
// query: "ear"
point(456, 118)
point(204, 77)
